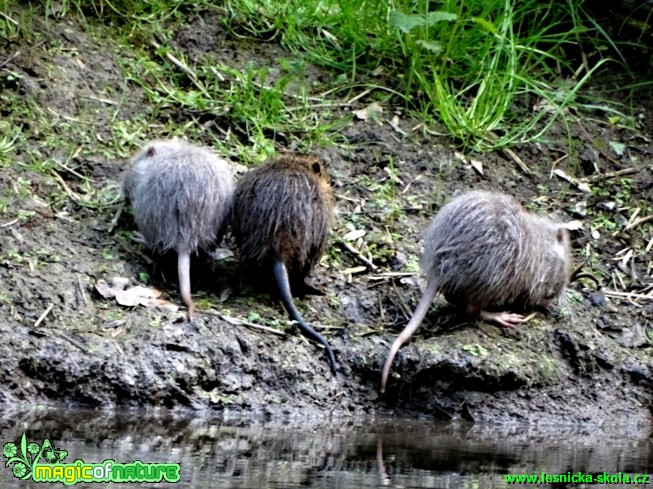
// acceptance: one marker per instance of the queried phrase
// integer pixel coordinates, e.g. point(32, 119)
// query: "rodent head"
point(313, 166)
point(554, 275)
point(310, 164)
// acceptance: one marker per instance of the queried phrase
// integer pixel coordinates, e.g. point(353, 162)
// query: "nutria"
point(282, 214)
point(181, 196)
point(483, 250)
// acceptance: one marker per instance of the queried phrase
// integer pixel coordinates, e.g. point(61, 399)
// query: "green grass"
point(468, 65)
point(495, 73)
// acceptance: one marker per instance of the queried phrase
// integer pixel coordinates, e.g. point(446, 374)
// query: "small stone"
point(597, 299)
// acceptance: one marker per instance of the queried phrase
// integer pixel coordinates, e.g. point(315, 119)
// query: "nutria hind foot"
point(505, 319)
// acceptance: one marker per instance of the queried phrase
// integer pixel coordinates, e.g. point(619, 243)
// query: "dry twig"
point(242, 322)
point(43, 316)
point(362, 258)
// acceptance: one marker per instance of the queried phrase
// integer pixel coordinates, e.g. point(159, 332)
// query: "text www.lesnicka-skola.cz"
point(578, 478)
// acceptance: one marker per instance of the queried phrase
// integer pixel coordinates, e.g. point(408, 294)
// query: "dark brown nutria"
point(484, 250)
point(282, 214)
point(181, 196)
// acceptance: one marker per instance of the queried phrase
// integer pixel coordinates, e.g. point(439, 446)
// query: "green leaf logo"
point(9, 450)
point(22, 460)
point(50, 454)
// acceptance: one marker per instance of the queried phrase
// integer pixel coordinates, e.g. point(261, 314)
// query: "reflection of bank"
point(384, 479)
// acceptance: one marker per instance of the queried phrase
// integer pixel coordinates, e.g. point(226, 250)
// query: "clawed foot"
point(138, 238)
point(505, 319)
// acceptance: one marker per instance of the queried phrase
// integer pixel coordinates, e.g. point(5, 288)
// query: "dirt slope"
point(589, 361)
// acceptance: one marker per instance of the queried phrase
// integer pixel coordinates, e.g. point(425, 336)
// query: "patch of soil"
point(589, 362)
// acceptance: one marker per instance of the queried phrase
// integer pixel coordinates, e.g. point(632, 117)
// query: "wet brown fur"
point(283, 210)
point(282, 214)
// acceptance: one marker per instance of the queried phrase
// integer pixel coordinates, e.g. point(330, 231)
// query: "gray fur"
point(483, 250)
point(181, 195)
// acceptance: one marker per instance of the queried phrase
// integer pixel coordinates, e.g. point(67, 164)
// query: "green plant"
point(467, 64)
point(10, 28)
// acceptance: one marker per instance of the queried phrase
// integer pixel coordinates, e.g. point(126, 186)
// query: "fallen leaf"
point(370, 111)
point(138, 295)
point(104, 290)
point(354, 235)
point(119, 282)
point(618, 148)
point(477, 165)
point(575, 225)
point(460, 156)
point(134, 296)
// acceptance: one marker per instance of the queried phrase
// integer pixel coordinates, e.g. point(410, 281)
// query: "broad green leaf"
point(405, 23)
point(433, 46)
point(439, 16)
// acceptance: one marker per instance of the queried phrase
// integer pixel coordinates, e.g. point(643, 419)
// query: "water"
point(350, 453)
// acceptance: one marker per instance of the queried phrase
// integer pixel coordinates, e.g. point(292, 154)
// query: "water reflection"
point(353, 453)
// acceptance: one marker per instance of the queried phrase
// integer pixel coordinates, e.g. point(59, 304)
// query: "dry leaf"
point(370, 111)
point(133, 296)
point(354, 235)
point(575, 225)
point(460, 156)
point(477, 165)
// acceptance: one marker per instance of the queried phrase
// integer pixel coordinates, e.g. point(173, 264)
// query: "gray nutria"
point(181, 195)
point(483, 250)
point(282, 214)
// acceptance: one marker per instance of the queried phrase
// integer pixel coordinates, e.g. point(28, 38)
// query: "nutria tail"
point(281, 276)
point(183, 275)
point(418, 316)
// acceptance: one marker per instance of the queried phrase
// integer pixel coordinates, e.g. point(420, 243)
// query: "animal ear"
point(150, 151)
point(559, 234)
point(317, 168)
